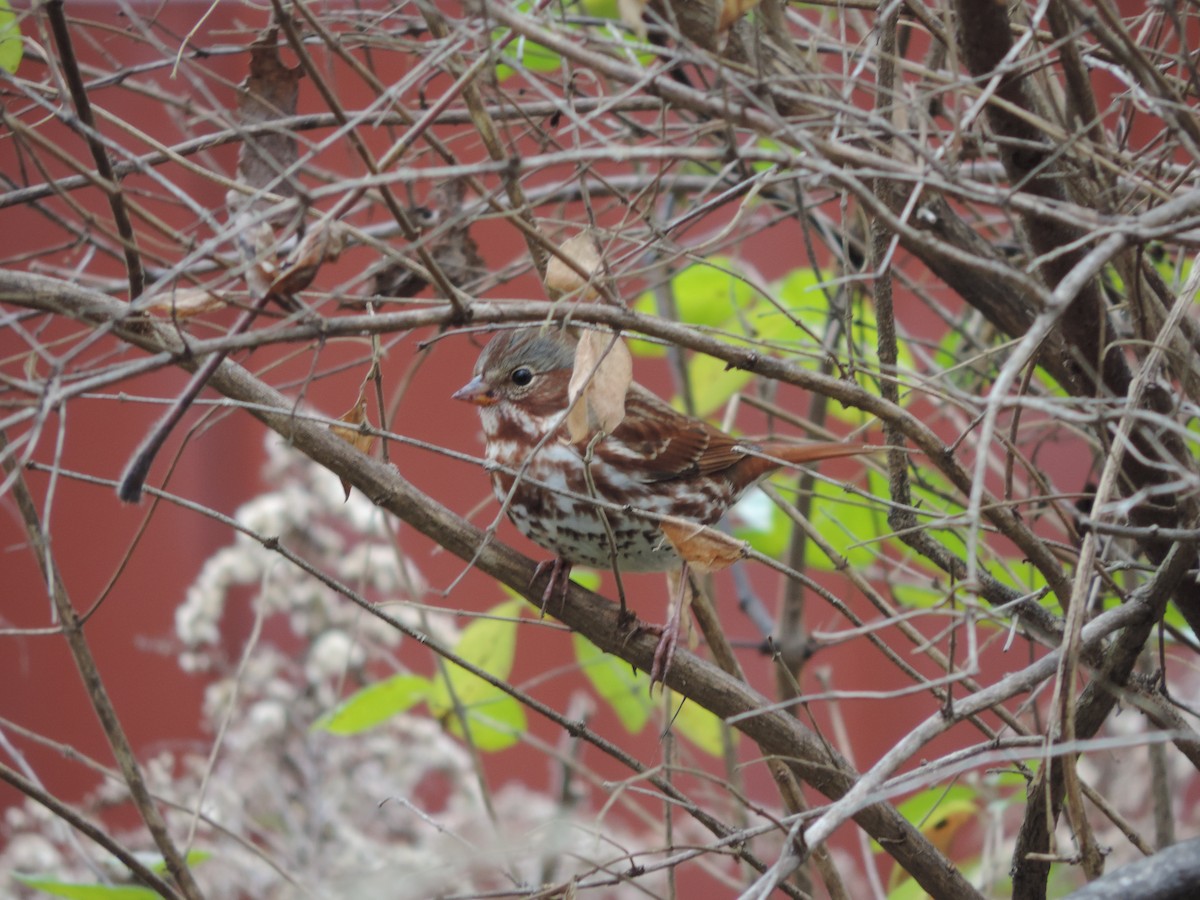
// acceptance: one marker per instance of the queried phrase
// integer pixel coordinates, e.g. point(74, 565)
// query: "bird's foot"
point(627, 621)
point(560, 580)
point(664, 650)
point(668, 633)
point(664, 653)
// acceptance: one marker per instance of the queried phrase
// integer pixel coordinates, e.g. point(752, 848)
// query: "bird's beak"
point(475, 391)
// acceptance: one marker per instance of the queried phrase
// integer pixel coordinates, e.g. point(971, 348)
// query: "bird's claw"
point(664, 650)
point(664, 654)
point(560, 580)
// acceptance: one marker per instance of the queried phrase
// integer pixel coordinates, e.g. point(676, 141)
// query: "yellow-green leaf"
point(528, 55)
point(11, 46)
point(72, 891)
point(489, 642)
point(496, 721)
point(706, 293)
point(193, 857)
point(713, 383)
point(56, 887)
point(702, 728)
point(627, 691)
point(494, 718)
point(939, 813)
point(375, 704)
point(621, 686)
point(848, 523)
point(926, 809)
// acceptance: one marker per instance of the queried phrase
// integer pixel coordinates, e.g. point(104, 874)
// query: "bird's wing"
point(663, 444)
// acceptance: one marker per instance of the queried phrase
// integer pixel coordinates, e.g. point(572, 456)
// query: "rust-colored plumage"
point(598, 500)
point(657, 462)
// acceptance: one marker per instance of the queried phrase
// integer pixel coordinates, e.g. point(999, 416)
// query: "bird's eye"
point(522, 376)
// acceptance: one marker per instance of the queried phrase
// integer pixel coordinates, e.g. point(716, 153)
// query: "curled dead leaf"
point(630, 13)
point(352, 432)
point(599, 382)
point(269, 92)
point(187, 302)
point(325, 242)
point(450, 245)
point(704, 549)
point(256, 246)
point(731, 11)
point(939, 830)
point(561, 278)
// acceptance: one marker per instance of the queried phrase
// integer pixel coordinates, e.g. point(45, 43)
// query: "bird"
point(657, 462)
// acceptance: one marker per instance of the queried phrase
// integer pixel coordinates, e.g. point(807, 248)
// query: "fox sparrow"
point(657, 462)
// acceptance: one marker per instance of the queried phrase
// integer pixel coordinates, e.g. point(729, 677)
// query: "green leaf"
point(527, 55)
point(789, 318)
point(908, 889)
point(848, 523)
point(627, 691)
point(925, 808)
point(712, 293)
point(585, 577)
point(375, 704)
point(74, 891)
point(495, 719)
point(706, 293)
point(11, 45)
point(489, 642)
point(770, 146)
point(496, 722)
point(918, 596)
point(621, 686)
point(803, 292)
point(715, 294)
point(713, 383)
point(58, 888)
point(793, 313)
point(930, 808)
point(1175, 269)
point(193, 858)
point(1171, 616)
point(601, 9)
point(934, 495)
point(940, 814)
point(534, 57)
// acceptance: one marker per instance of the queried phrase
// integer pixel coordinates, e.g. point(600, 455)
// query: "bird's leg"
point(668, 640)
point(624, 617)
point(560, 580)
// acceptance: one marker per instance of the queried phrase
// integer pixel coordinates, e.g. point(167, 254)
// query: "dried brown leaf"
point(186, 302)
point(630, 13)
point(449, 243)
point(256, 243)
point(584, 251)
point(600, 380)
point(704, 549)
point(577, 422)
point(297, 272)
point(731, 11)
point(352, 432)
point(269, 92)
point(455, 251)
